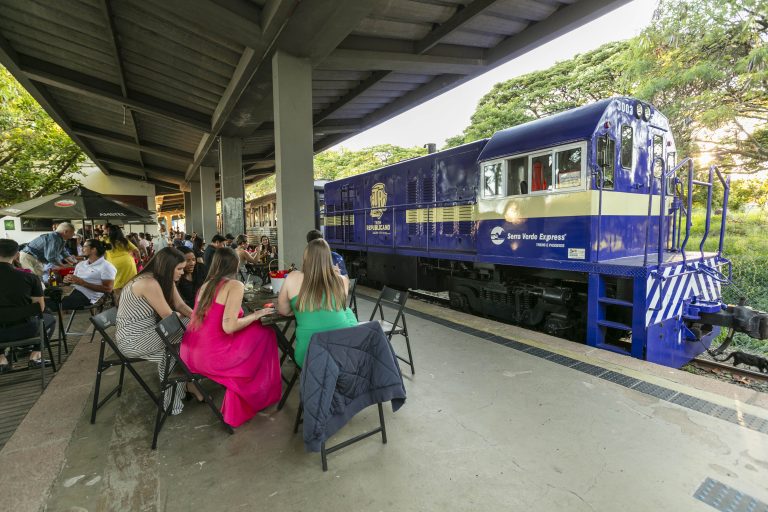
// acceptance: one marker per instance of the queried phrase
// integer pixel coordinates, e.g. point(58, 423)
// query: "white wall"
point(102, 183)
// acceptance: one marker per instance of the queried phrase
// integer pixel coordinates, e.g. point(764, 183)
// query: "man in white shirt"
point(92, 278)
point(162, 240)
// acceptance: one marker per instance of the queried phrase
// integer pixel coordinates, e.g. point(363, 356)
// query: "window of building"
point(541, 172)
point(568, 168)
point(492, 179)
point(517, 176)
point(627, 146)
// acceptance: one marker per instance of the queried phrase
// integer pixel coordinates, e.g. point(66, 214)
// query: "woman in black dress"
point(193, 278)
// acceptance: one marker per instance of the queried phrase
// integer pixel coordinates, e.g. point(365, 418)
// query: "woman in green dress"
point(317, 296)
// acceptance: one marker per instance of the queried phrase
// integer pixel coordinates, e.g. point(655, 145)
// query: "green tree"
point(334, 165)
point(568, 84)
point(36, 155)
point(705, 65)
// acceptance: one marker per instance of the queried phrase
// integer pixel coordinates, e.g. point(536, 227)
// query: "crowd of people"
point(180, 274)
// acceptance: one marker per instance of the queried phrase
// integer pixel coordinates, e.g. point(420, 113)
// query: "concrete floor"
point(485, 427)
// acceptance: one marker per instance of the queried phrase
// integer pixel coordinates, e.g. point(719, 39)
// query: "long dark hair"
point(117, 238)
point(161, 267)
point(197, 245)
point(223, 266)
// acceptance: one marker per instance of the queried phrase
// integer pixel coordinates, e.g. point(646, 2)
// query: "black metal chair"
point(21, 314)
point(170, 329)
point(352, 297)
point(101, 322)
point(324, 451)
point(395, 299)
point(286, 347)
point(106, 300)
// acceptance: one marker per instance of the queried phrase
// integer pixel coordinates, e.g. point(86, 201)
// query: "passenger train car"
point(576, 224)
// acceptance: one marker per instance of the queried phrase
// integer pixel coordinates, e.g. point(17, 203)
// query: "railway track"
point(741, 374)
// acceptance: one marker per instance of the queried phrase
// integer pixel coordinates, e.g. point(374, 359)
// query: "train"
point(577, 225)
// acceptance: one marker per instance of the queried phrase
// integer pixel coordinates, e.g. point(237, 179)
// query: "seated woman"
point(317, 296)
point(146, 299)
point(192, 280)
point(234, 350)
point(242, 251)
point(267, 251)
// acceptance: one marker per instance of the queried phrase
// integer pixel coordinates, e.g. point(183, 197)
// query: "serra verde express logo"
point(378, 200)
point(497, 235)
point(65, 203)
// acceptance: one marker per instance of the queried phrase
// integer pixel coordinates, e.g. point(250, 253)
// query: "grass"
point(746, 245)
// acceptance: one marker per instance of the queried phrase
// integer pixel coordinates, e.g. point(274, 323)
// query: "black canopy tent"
point(78, 203)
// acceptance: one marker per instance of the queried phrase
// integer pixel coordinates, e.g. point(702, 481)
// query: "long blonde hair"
point(321, 288)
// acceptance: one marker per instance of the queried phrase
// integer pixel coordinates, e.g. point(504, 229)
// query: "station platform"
point(497, 418)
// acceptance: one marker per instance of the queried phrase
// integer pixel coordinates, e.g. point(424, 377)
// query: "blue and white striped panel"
point(665, 297)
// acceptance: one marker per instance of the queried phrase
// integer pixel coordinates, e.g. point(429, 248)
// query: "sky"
point(448, 114)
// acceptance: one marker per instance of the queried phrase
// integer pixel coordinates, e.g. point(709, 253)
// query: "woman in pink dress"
point(234, 350)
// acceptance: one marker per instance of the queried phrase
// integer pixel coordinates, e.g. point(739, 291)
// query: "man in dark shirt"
point(19, 288)
point(338, 261)
point(217, 242)
point(230, 240)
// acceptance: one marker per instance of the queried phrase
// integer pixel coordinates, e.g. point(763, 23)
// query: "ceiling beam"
point(464, 14)
point(251, 62)
point(106, 9)
point(562, 21)
point(460, 17)
point(91, 87)
point(361, 60)
point(117, 139)
point(234, 20)
point(132, 165)
point(555, 25)
point(10, 59)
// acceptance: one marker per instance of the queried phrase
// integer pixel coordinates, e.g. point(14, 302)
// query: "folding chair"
point(324, 451)
point(101, 322)
point(395, 299)
point(352, 297)
point(108, 299)
point(171, 328)
point(20, 314)
point(286, 347)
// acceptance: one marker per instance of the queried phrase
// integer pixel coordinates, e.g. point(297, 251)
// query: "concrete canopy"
point(145, 87)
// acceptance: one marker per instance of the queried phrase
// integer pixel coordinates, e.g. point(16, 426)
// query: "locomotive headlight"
point(638, 110)
point(647, 113)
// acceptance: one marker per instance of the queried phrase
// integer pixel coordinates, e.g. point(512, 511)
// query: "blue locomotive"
point(577, 224)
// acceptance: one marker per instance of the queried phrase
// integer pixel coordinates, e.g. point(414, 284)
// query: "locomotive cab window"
point(493, 185)
point(517, 176)
point(658, 155)
point(606, 159)
point(627, 146)
point(568, 168)
point(541, 172)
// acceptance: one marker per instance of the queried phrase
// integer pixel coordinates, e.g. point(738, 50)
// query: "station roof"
point(146, 86)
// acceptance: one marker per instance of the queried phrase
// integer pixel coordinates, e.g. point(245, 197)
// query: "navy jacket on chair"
point(344, 372)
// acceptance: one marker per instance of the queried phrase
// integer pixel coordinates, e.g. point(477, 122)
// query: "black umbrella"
point(77, 203)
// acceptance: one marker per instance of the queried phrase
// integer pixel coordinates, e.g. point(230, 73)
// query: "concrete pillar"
point(197, 210)
point(292, 94)
point(232, 187)
point(187, 212)
point(208, 201)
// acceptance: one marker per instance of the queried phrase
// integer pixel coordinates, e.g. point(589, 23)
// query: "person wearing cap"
point(48, 249)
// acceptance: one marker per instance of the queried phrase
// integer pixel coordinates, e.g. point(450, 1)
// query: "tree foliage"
point(568, 84)
point(334, 165)
point(704, 64)
point(36, 155)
